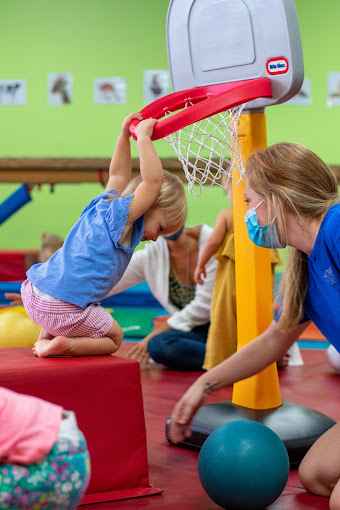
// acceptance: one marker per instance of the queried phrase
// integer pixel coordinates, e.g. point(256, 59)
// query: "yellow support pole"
point(253, 280)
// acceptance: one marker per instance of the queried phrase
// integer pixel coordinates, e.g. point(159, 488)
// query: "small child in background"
point(50, 243)
point(222, 335)
point(63, 295)
point(44, 461)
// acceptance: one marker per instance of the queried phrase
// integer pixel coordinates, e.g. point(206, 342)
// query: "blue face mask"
point(266, 236)
point(175, 236)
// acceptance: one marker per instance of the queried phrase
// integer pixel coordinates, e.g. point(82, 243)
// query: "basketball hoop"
point(201, 125)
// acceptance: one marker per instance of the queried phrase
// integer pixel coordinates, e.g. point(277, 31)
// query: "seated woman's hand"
point(184, 411)
point(16, 298)
point(140, 351)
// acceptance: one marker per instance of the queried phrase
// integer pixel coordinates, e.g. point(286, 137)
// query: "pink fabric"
point(62, 318)
point(29, 427)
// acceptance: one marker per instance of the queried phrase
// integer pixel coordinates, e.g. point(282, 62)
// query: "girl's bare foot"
point(57, 347)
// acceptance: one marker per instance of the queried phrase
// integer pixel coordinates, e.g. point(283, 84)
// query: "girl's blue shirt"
point(91, 261)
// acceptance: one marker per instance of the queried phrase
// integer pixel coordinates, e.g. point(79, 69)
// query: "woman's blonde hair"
point(171, 198)
point(291, 178)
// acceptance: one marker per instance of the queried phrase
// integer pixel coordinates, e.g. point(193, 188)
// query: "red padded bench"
point(106, 395)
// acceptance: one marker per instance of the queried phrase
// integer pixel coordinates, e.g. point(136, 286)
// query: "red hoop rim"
point(208, 100)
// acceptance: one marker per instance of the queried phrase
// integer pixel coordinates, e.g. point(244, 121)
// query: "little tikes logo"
point(277, 65)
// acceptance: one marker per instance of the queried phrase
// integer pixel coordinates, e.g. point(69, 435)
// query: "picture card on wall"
point(12, 92)
point(156, 85)
point(60, 88)
point(110, 90)
point(333, 97)
point(304, 96)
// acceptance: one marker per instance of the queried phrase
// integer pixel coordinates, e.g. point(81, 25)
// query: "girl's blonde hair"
point(291, 178)
point(171, 198)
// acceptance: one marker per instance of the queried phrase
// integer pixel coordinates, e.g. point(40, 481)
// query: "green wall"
point(316, 126)
point(56, 212)
point(107, 38)
point(91, 39)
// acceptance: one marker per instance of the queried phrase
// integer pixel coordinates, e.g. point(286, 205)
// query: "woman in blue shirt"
point(293, 199)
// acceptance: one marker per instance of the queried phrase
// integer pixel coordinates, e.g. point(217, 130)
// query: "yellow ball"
point(17, 329)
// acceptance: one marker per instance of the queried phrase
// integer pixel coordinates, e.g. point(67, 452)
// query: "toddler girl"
point(63, 295)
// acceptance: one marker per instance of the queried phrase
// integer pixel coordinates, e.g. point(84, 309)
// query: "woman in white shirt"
point(168, 266)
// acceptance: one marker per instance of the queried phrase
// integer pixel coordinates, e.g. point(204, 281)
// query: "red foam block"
point(106, 395)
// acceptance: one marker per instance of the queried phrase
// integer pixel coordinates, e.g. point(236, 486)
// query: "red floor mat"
point(175, 469)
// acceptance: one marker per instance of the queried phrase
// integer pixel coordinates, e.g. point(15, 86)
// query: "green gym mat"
point(135, 323)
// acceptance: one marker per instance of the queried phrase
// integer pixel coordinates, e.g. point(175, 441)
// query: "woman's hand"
point(199, 271)
point(127, 122)
point(185, 410)
point(140, 351)
point(15, 297)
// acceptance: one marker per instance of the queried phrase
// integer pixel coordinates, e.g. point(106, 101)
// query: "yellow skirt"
point(222, 336)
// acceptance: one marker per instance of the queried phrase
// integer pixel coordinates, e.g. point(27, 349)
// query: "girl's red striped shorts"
point(62, 318)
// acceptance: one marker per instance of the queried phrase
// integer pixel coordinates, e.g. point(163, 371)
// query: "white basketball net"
point(209, 150)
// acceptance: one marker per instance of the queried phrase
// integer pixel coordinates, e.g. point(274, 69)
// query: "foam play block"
point(135, 322)
point(14, 264)
point(137, 296)
point(106, 395)
point(312, 333)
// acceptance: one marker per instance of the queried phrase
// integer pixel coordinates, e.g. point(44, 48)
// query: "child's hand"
point(127, 121)
point(145, 128)
point(200, 270)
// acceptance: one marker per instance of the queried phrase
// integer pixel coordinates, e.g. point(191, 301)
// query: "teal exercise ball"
point(243, 465)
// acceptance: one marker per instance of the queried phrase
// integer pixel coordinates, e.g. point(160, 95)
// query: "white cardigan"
point(153, 265)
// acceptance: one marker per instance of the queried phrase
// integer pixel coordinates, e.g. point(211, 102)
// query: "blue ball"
point(243, 465)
